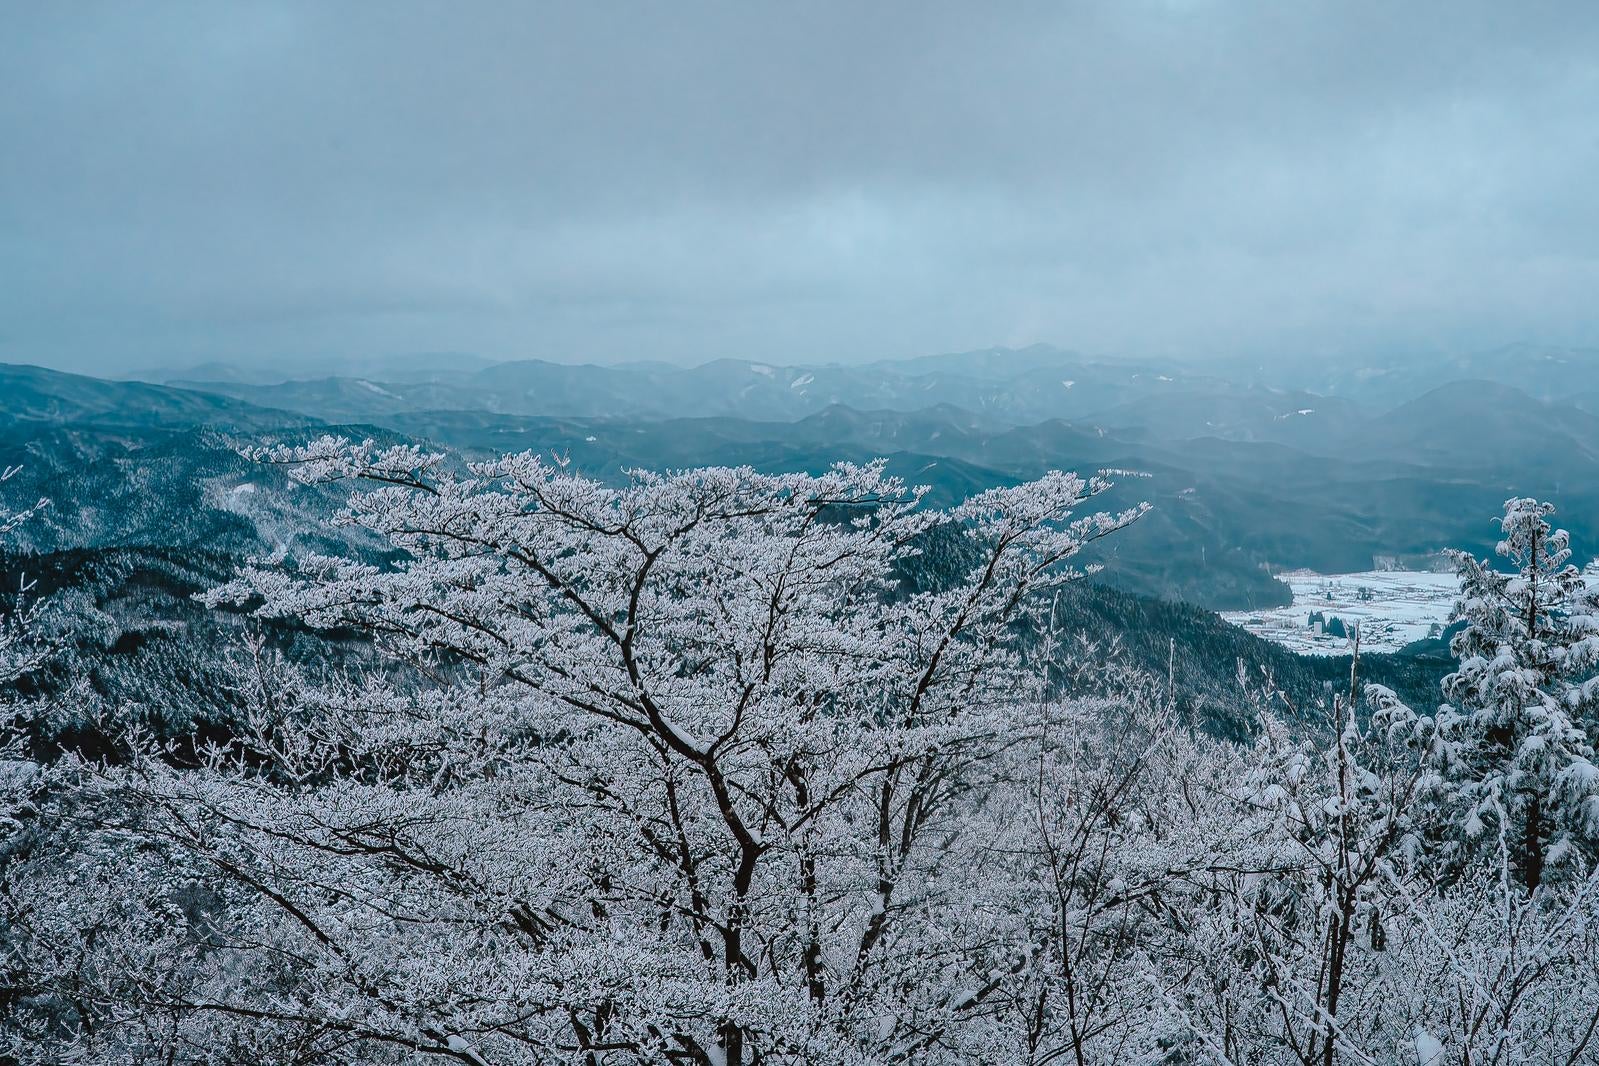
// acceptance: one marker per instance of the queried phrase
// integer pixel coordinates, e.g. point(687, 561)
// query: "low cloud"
point(799, 182)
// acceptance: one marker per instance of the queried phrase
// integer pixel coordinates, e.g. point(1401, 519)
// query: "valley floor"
point(1392, 607)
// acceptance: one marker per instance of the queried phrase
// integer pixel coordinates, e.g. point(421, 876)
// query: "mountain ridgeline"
point(1248, 473)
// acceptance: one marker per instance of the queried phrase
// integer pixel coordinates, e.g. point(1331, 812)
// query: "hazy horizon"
point(1197, 180)
point(1291, 371)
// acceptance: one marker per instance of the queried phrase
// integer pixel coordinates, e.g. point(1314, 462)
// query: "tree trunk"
point(1532, 844)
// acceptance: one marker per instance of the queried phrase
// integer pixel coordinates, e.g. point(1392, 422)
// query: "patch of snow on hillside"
point(762, 369)
point(802, 381)
point(380, 390)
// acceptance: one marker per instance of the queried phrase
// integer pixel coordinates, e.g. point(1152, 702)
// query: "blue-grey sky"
point(794, 182)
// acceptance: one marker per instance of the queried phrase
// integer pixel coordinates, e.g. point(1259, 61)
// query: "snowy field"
point(1393, 608)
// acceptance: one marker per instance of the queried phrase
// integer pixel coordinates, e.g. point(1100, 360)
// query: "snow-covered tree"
point(23, 781)
point(1316, 927)
point(678, 776)
point(1525, 692)
point(20, 653)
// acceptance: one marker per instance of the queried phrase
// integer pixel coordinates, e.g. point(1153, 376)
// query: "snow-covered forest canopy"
point(723, 767)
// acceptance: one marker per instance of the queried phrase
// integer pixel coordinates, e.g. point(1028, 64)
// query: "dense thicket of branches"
point(687, 771)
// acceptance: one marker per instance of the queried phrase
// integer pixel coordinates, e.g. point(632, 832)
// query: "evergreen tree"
point(1525, 686)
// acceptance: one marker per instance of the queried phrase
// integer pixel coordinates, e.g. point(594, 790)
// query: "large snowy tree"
point(683, 774)
point(1524, 695)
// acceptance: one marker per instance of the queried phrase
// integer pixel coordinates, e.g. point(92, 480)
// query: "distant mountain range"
point(1023, 385)
point(1248, 474)
point(1544, 372)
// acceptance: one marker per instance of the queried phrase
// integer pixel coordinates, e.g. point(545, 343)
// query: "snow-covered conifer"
point(1526, 685)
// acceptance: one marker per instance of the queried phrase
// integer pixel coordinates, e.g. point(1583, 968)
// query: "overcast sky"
point(793, 182)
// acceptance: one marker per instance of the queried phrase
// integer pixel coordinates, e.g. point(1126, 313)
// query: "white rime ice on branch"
point(695, 776)
point(20, 653)
point(705, 768)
